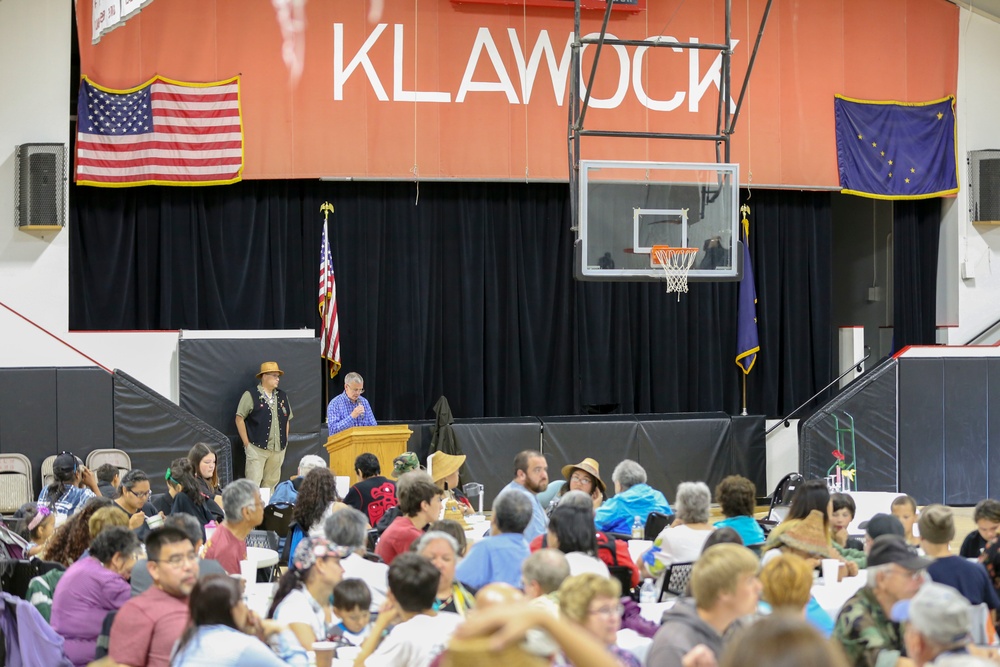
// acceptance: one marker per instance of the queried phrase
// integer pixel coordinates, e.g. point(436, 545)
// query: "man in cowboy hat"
point(262, 420)
point(350, 409)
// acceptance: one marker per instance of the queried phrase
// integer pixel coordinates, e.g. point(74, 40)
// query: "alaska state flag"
point(890, 150)
point(747, 342)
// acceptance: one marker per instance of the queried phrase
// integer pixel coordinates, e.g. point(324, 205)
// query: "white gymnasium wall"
point(34, 268)
point(978, 298)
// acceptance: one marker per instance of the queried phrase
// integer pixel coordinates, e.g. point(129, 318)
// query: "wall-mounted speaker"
point(984, 186)
point(40, 186)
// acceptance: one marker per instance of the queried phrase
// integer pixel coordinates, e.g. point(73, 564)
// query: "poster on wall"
point(111, 14)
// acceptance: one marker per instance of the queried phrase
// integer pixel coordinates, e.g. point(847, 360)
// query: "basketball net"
point(675, 263)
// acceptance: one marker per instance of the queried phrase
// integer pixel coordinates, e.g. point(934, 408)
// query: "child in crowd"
point(904, 508)
point(844, 510)
point(108, 480)
point(36, 523)
point(351, 604)
point(987, 518)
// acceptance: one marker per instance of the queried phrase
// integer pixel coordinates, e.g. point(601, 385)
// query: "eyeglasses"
point(580, 479)
point(358, 390)
point(179, 559)
point(142, 494)
point(607, 612)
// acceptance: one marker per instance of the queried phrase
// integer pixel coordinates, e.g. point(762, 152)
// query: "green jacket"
point(853, 555)
point(868, 636)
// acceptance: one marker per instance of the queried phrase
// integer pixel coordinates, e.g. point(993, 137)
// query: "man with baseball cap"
point(262, 420)
point(938, 620)
point(881, 524)
point(864, 628)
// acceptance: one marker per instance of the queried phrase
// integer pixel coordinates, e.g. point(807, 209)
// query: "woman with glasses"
point(91, 588)
point(593, 602)
point(303, 600)
point(583, 476)
point(223, 632)
point(133, 499)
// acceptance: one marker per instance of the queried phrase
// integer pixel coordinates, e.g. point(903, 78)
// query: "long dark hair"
point(289, 581)
point(182, 474)
point(318, 490)
point(811, 495)
point(73, 537)
point(211, 603)
point(574, 528)
point(197, 453)
point(62, 481)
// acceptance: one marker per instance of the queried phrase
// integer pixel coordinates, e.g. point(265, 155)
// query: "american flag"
point(163, 132)
point(330, 335)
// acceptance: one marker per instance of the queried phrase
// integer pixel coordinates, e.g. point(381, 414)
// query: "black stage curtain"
point(461, 289)
point(916, 232)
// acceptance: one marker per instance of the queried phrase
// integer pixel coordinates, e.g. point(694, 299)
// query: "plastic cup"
point(248, 570)
point(154, 521)
point(325, 652)
point(831, 571)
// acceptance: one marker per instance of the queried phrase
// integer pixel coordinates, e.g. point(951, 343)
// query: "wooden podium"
point(385, 442)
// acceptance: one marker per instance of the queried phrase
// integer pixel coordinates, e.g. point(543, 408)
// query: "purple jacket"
point(30, 640)
point(85, 595)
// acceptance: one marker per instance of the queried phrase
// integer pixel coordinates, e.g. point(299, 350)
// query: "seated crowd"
point(134, 578)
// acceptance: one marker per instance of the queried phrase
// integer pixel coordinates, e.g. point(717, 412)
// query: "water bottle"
point(637, 529)
point(648, 592)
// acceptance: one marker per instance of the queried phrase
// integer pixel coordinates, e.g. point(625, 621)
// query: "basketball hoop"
point(675, 263)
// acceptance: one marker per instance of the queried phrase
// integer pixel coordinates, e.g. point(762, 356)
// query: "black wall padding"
point(871, 401)
point(490, 446)
point(214, 373)
point(685, 448)
point(154, 431)
point(53, 410)
point(947, 429)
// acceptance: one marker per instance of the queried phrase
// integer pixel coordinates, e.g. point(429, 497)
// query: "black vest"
point(258, 422)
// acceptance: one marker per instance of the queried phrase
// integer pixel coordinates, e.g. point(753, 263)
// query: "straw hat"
point(270, 367)
point(809, 535)
point(589, 466)
point(443, 465)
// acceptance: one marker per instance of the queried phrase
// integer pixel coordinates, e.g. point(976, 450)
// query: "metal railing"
point(855, 367)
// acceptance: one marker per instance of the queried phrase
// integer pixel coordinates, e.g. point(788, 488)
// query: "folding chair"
point(46, 471)
point(655, 523)
point(675, 580)
point(116, 457)
point(265, 539)
point(781, 499)
point(16, 485)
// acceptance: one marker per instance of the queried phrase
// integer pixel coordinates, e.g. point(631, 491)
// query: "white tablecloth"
point(259, 596)
point(637, 547)
point(832, 598)
point(869, 503)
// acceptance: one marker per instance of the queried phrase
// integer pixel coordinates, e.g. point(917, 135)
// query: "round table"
point(263, 557)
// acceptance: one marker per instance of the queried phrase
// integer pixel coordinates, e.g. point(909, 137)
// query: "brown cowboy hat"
point(443, 464)
point(589, 466)
point(270, 367)
point(809, 535)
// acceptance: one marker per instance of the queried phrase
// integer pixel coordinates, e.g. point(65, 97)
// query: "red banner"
point(444, 90)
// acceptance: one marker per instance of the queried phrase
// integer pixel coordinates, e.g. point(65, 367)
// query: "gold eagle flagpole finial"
point(327, 209)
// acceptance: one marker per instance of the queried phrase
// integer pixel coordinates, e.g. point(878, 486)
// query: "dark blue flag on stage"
point(889, 150)
point(747, 343)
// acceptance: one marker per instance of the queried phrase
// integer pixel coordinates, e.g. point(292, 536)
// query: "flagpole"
point(744, 413)
point(326, 208)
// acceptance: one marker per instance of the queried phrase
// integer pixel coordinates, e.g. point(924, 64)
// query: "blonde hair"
point(718, 570)
point(106, 517)
point(576, 594)
point(787, 581)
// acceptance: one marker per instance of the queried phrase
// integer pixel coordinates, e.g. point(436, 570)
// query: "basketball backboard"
point(627, 207)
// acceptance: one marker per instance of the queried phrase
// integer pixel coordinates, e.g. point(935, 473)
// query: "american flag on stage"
point(163, 132)
point(330, 335)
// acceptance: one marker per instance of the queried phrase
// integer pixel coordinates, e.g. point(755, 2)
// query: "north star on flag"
point(330, 334)
point(163, 132)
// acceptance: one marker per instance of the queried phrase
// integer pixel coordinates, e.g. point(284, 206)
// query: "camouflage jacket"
point(868, 636)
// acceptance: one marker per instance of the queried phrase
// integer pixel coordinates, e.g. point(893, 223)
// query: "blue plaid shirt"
point(338, 414)
point(71, 501)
